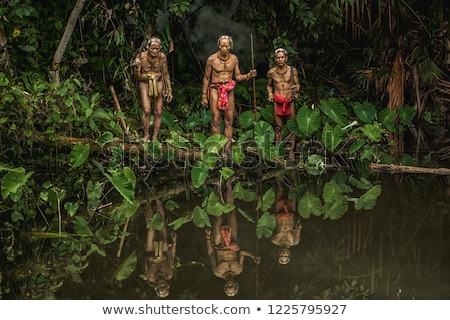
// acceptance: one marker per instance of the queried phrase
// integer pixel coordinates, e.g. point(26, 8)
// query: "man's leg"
point(228, 122)
point(145, 100)
point(292, 136)
point(215, 112)
point(158, 108)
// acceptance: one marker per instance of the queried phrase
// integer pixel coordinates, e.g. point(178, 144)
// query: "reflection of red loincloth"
point(283, 215)
point(225, 231)
point(282, 105)
point(223, 89)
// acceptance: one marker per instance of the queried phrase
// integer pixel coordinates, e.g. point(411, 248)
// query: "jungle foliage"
point(373, 90)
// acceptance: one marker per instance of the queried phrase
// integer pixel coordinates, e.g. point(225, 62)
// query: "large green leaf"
point(265, 225)
point(387, 118)
point(365, 111)
point(332, 137)
point(372, 131)
point(247, 119)
point(335, 110)
point(178, 141)
point(267, 200)
point(124, 180)
point(79, 154)
point(335, 209)
point(199, 173)
point(153, 149)
point(309, 205)
point(215, 143)
point(239, 192)
point(406, 114)
point(14, 180)
point(264, 134)
point(200, 218)
point(308, 120)
point(127, 267)
point(332, 191)
point(368, 200)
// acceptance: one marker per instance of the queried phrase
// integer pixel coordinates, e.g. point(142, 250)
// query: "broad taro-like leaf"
point(362, 183)
point(79, 154)
point(81, 226)
point(178, 141)
point(178, 223)
point(387, 118)
point(372, 131)
point(124, 180)
point(365, 111)
point(356, 145)
point(368, 200)
point(266, 113)
point(335, 110)
point(264, 134)
point(265, 225)
point(309, 204)
point(247, 119)
point(332, 191)
point(106, 138)
point(332, 137)
point(153, 149)
point(156, 222)
point(314, 165)
point(13, 181)
point(125, 210)
point(200, 218)
point(226, 172)
point(335, 209)
point(213, 205)
point(267, 200)
point(199, 173)
point(200, 139)
point(215, 143)
point(127, 267)
point(406, 114)
point(308, 120)
point(239, 192)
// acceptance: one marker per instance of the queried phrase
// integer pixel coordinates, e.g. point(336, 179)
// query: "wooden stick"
point(253, 78)
point(122, 238)
point(119, 110)
point(390, 168)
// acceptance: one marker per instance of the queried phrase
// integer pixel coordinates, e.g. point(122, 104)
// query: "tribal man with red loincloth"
point(221, 73)
point(282, 87)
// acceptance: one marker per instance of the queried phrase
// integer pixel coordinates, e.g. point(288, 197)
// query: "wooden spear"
point(253, 78)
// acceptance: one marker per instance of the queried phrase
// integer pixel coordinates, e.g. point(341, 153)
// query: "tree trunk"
point(76, 11)
point(390, 168)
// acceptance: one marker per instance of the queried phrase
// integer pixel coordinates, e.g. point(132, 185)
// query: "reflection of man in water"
point(288, 228)
point(227, 259)
point(160, 259)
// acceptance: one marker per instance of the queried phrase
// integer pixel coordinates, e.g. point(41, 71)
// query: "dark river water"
point(394, 247)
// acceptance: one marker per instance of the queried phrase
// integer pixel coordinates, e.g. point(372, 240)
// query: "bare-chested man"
point(227, 259)
point(283, 86)
point(154, 82)
point(222, 69)
point(288, 229)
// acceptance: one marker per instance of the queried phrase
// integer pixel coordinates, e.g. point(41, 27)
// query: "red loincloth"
point(282, 108)
point(223, 89)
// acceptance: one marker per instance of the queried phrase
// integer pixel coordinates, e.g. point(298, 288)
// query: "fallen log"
point(391, 168)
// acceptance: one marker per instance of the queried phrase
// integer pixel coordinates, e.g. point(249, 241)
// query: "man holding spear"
point(221, 73)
